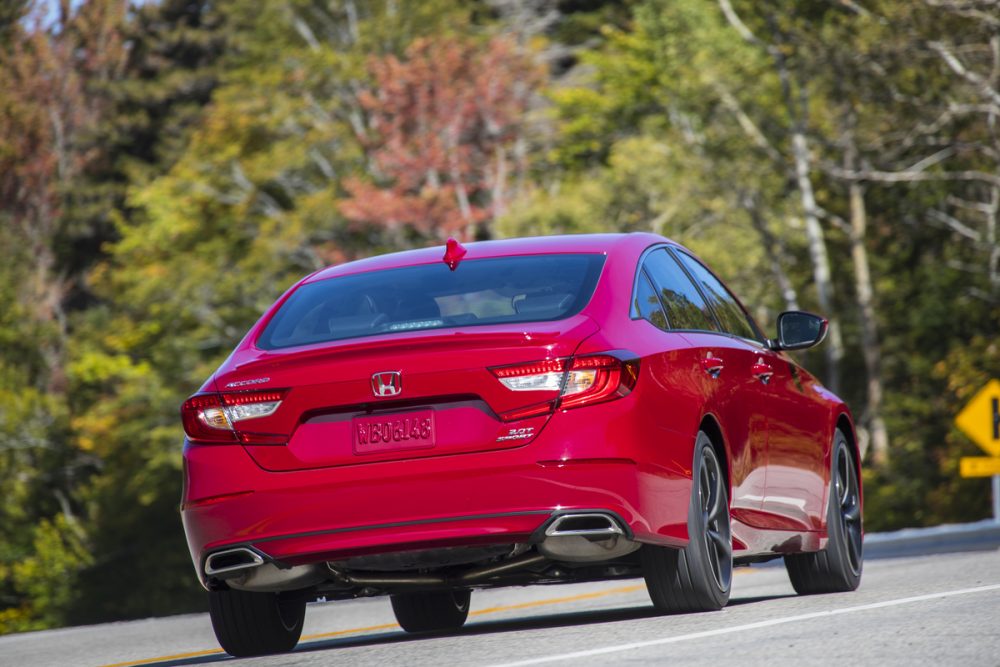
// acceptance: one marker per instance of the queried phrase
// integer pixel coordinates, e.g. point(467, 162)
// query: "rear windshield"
point(528, 288)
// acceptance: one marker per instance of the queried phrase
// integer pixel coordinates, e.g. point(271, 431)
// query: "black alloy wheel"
point(698, 577)
point(837, 568)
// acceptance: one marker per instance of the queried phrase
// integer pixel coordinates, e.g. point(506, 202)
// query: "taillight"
point(205, 419)
point(214, 417)
point(538, 376)
point(579, 381)
point(597, 379)
point(251, 404)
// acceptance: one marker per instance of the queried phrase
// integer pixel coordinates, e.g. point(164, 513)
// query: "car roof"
point(535, 245)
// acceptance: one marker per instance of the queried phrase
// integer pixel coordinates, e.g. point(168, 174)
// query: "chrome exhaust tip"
point(586, 537)
point(594, 524)
point(232, 560)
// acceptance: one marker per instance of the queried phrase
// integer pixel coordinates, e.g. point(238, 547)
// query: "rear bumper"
point(494, 497)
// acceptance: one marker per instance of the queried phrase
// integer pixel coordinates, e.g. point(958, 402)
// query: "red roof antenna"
point(453, 254)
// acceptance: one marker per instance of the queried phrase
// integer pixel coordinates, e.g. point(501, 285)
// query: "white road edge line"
point(749, 626)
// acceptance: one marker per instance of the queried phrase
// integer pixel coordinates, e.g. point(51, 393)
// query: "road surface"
point(926, 610)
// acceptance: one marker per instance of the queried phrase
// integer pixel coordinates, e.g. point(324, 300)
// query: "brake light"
point(205, 419)
point(251, 404)
point(539, 376)
point(213, 417)
point(580, 381)
point(597, 379)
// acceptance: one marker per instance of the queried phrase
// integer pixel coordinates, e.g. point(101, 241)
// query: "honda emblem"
point(387, 383)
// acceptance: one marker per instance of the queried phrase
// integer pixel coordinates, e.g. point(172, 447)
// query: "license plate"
point(390, 433)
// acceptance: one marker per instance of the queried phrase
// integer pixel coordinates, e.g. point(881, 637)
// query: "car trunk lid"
point(400, 396)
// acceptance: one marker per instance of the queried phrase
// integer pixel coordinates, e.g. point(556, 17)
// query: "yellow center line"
point(351, 631)
point(176, 656)
point(394, 626)
point(569, 598)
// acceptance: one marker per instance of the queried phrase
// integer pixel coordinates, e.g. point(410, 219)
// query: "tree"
point(47, 73)
point(443, 123)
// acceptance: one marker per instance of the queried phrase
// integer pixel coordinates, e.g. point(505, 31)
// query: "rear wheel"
point(837, 568)
point(248, 624)
point(699, 576)
point(431, 611)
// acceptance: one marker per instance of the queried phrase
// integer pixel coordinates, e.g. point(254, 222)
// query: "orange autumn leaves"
point(444, 126)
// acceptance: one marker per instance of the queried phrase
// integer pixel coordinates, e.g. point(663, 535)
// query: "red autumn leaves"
point(444, 125)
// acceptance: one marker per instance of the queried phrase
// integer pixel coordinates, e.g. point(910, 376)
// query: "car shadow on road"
point(475, 627)
point(736, 602)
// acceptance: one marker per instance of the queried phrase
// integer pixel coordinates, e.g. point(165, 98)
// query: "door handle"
point(762, 371)
point(712, 365)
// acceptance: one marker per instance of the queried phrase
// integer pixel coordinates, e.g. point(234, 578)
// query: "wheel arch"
point(711, 427)
point(845, 425)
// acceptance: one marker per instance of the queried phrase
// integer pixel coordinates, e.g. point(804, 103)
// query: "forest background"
point(168, 169)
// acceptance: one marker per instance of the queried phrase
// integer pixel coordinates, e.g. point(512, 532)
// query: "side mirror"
point(798, 330)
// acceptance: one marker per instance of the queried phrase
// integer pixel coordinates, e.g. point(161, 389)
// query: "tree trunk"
point(871, 351)
point(772, 248)
point(819, 257)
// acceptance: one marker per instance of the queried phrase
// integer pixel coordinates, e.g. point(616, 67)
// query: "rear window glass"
point(685, 307)
point(527, 288)
point(647, 304)
point(731, 315)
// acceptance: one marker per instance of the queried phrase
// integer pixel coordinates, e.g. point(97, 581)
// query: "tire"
point(249, 624)
point(699, 576)
point(836, 569)
point(432, 611)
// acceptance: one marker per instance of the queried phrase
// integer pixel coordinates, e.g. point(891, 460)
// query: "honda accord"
point(528, 411)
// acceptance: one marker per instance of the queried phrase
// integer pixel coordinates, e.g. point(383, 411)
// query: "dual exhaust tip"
point(231, 561)
point(586, 537)
point(593, 524)
point(246, 569)
point(577, 537)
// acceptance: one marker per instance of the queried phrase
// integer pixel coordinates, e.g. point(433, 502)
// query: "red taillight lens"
point(597, 379)
point(205, 419)
point(213, 417)
point(579, 381)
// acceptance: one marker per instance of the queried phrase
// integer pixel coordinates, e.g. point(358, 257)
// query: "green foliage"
point(166, 173)
point(47, 577)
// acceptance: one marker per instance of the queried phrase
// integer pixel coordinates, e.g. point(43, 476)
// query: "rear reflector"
point(579, 381)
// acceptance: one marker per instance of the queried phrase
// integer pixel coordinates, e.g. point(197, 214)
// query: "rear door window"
point(731, 315)
point(526, 288)
point(684, 305)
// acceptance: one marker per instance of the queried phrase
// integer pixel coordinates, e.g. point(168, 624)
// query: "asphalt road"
point(926, 610)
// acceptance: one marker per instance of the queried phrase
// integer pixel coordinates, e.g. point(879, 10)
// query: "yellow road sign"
point(980, 419)
point(979, 466)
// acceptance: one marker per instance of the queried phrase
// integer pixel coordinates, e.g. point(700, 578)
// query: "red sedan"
point(527, 411)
